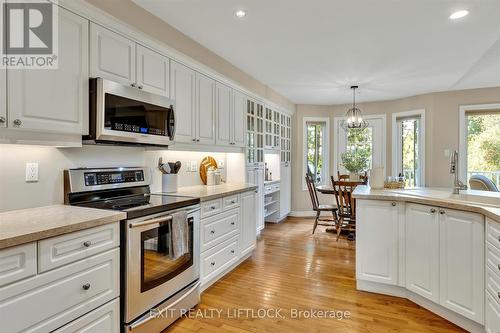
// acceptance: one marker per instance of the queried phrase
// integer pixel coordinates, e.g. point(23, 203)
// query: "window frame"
point(326, 148)
point(396, 146)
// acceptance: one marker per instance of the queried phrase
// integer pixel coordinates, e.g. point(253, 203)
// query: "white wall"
point(15, 193)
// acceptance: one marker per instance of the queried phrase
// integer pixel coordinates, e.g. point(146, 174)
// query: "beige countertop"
point(206, 193)
point(482, 202)
point(28, 225)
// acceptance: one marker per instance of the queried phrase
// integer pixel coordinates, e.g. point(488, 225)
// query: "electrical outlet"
point(220, 164)
point(32, 172)
point(194, 166)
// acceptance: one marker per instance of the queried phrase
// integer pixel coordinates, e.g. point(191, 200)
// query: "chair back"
point(343, 196)
point(363, 178)
point(312, 191)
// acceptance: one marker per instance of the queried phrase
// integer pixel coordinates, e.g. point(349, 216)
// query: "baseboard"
point(302, 213)
point(441, 311)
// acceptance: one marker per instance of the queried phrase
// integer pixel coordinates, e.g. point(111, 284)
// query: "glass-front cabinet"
point(251, 126)
point(259, 133)
point(276, 129)
point(269, 130)
point(285, 138)
point(255, 133)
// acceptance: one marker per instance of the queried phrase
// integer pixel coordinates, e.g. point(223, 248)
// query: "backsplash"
point(16, 193)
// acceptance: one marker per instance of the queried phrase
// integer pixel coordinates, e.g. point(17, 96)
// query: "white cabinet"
point(492, 314)
point(182, 85)
point(248, 217)
point(238, 124)
point(52, 100)
point(285, 189)
point(422, 251)
point(377, 243)
point(112, 55)
point(103, 319)
point(153, 71)
point(205, 109)
point(461, 251)
point(17, 263)
point(255, 176)
point(3, 98)
point(224, 114)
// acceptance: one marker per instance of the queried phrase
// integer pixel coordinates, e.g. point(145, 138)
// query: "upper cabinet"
point(231, 111)
point(182, 84)
point(238, 125)
point(3, 98)
point(112, 55)
point(153, 71)
point(121, 60)
point(205, 109)
point(53, 100)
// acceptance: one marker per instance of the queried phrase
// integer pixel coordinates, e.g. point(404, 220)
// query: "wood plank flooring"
point(292, 269)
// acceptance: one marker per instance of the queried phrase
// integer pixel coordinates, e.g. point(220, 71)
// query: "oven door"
point(152, 275)
point(130, 115)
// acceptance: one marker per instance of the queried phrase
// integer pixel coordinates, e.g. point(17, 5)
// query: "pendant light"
point(354, 118)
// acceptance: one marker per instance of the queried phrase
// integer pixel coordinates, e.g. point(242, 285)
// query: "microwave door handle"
point(171, 123)
point(151, 221)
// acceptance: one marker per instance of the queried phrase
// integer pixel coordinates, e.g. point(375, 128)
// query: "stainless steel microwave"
point(128, 115)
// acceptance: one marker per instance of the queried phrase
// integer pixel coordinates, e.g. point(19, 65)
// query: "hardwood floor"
point(292, 269)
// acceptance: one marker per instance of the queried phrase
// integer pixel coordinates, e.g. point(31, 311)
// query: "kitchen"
point(167, 180)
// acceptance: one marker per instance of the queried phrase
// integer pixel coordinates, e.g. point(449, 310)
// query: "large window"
point(360, 141)
point(483, 145)
point(316, 149)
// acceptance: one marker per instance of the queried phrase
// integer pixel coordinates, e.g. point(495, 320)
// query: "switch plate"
point(220, 164)
point(32, 172)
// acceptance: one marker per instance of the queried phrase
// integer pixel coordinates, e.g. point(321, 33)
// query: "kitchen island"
point(434, 248)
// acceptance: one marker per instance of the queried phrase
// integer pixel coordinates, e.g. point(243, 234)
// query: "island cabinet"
point(432, 255)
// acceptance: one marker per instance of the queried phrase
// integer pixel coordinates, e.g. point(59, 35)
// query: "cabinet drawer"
point(231, 202)
point(57, 297)
point(493, 258)
point(211, 208)
point(218, 258)
point(493, 284)
point(103, 319)
point(493, 233)
point(17, 263)
point(492, 314)
point(61, 250)
point(218, 228)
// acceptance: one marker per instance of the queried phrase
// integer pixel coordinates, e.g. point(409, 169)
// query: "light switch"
point(31, 172)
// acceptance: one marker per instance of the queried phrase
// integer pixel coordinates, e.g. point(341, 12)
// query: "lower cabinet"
point(377, 256)
point(248, 217)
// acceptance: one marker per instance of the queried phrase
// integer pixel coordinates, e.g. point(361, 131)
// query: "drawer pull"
point(433, 210)
point(87, 244)
point(499, 238)
point(232, 223)
point(212, 263)
point(232, 251)
point(498, 294)
point(499, 267)
point(393, 203)
point(212, 232)
point(212, 207)
point(233, 202)
point(442, 212)
point(86, 286)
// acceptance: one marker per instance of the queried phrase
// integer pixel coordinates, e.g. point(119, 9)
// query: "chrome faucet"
point(457, 184)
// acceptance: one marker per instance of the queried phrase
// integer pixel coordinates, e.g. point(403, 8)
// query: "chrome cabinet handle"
point(140, 87)
point(433, 210)
point(87, 243)
point(393, 204)
point(212, 207)
point(499, 238)
point(498, 294)
point(499, 267)
point(442, 212)
point(17, 122)
point(194, 140)
point(232, 223)
point(233, 202)
point(133, 85)
point(2, 120)
point(86, 286)
point(197, 140)
point(212, 263)
point(212, 231)
point(232, 251)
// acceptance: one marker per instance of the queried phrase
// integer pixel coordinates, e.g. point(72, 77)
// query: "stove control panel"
point(113, 177)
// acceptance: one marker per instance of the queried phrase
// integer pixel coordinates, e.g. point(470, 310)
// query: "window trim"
point(326, 148)
point(395, 140)
point(463, 131)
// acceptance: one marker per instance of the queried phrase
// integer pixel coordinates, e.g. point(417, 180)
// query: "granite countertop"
point(206, 193)
point(28, 225)
point(482, 202)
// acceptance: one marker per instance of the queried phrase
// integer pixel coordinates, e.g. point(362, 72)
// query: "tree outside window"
point(359, 141)
point(315, 146)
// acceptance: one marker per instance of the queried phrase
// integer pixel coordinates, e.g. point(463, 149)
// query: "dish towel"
point(179, 235)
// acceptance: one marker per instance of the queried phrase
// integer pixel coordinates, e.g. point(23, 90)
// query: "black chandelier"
point(354, 118)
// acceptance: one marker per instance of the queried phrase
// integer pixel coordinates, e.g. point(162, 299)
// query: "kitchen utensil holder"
point(169, 183)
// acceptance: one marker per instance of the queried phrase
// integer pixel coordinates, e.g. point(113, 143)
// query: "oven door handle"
point(170, 306)
point(151, 221)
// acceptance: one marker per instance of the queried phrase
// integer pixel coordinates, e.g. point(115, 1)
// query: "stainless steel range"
point(158, 280)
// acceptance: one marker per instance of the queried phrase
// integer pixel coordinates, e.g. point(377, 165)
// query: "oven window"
point(128, 115)
point(157, 263)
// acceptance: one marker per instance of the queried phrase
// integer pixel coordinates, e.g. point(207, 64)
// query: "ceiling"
point(311, 51)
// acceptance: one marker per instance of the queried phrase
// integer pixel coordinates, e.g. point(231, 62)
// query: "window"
point(408, 147)
point(483, 145)
point(360, 141)
point(316, 149)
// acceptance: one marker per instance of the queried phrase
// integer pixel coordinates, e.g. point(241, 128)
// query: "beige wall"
point(442, 123)
point(142, 20)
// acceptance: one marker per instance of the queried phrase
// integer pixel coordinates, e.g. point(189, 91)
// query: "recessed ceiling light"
point(240, 13)
point(459, 14)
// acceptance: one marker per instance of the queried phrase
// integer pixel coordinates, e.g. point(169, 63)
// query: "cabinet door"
point(422, 251)
point(182, 85)
point(377, 256)
point(112, 56)
point(205, 109)
point(54, 100)
point(153, 71)
point(3, 98)
point(462, 263)
point(259, 180)
point(285, 189)
point(248, 222)
point(239, 127)
point(224, 114)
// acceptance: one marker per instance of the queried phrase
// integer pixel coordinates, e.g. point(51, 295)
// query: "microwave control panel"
point(113, 177)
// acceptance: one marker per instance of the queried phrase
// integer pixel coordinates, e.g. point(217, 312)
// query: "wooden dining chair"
point(346, 205)
point(363, 178)
point(318, 208)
